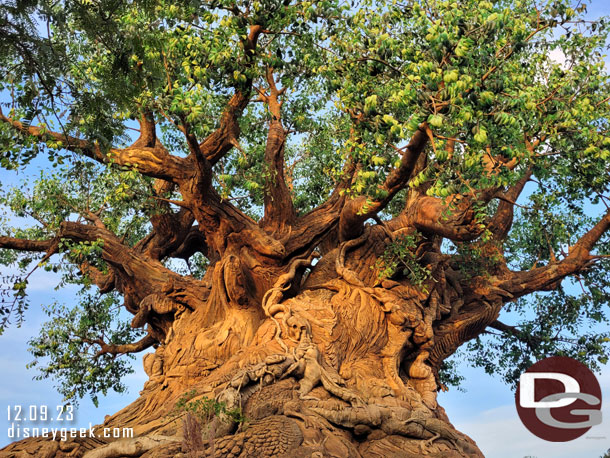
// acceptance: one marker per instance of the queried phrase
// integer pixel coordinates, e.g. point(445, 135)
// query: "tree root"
point(395, 421)
point(348, 275)
point(130, 447)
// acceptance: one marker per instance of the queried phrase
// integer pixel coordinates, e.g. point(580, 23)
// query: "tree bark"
point(328, 360)
point(325, 360)
point(332, 363)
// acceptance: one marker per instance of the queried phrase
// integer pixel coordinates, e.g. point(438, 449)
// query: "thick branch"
point(217, 218)
point(150, 289)
point(453, 219)
point(319, 227)
point(279, 209)
point(313, 228)
point(168, 234)
point(104, 281)
point(220, 142)
point(146, 273)
point(151, 161)
point(503, 219)
point(13, 243)
point(358, 210)
point(148, 134)
point(549, 276)
point(222, 224)
point(135, 347)
point(193, 242)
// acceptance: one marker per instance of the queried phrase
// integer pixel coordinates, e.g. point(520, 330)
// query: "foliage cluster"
point(399, 258)
point(67, 350)
point(205, 409)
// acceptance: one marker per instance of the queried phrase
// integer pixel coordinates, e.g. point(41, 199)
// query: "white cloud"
point(558, 57)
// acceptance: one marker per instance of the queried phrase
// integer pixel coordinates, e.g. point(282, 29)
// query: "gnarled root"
point(130, 447)
point(399, 421)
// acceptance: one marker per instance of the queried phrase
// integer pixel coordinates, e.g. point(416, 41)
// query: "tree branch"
point(148, 134)
point(193, 242)
point(173, 233)
point(319, 227)
point(503, 219)
point(358, 210)
point(146, 274)
point(279, 208)
point(531, 341)
point(452, 219)
point(550, 276)
point(13, 243)
point(169, 232)
point(135, 347)
point(314, 227)
point(220, 142)
point(151, 161)
point(104, 281)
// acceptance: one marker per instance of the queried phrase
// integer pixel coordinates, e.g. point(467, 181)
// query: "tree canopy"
point(479, 126)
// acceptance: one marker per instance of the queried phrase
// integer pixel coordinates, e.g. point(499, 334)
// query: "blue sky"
point(485, 410)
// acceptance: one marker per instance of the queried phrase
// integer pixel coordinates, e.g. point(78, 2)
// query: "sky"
point(484, 410)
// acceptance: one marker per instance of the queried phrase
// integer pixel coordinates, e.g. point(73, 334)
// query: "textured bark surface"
point(339, 369)
point(323, 361)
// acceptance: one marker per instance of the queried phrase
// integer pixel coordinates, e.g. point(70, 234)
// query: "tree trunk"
point(336, 363)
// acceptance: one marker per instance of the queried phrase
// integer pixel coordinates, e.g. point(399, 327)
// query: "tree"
point(323, 203)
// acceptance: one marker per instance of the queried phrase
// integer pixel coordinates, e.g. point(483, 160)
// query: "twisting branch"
point(217, 218)
point(358, 210)
point(454, 218)
point(319, 227)
point(550, 276)
point(104, 281)
point(169, 232)
point(151, 161)
point(112, 349)
point(130, 264)
point(279, 209)
point(503, 219)
point(170, 229)
point(194, 241)
point(220, 142)
point(148, 134)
